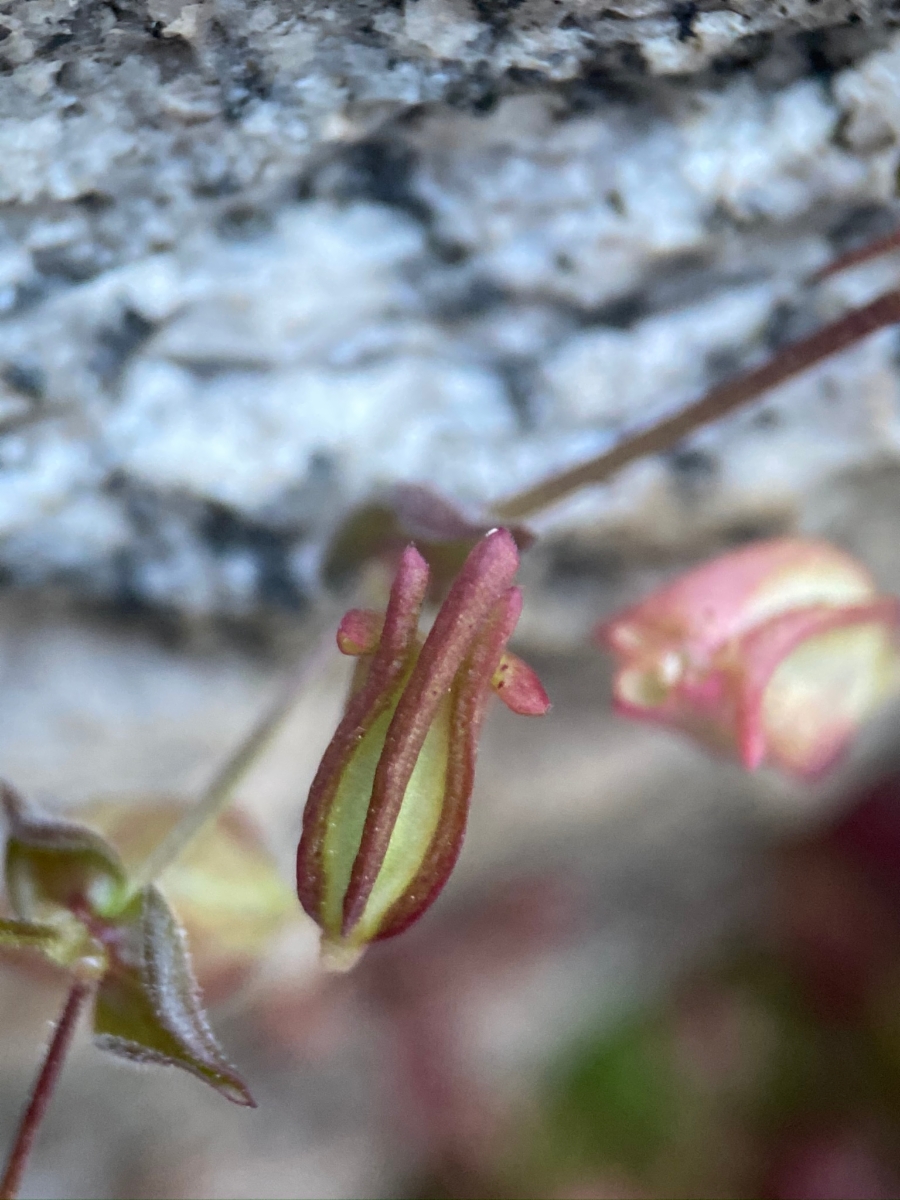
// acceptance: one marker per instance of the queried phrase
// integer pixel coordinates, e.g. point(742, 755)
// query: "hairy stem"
point(221, 789)
point(718, 402)
point(42, 1092)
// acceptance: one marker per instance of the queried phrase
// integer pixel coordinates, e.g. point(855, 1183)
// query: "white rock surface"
point(258, 261)
point(197, 358)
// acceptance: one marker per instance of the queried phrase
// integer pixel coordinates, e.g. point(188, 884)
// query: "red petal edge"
point(470, 697)
point(482, 580)
point(519, 688)
point(765, 648)
point(398, 638)
point(359, 631)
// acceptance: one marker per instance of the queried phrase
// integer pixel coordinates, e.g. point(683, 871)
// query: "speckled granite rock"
point(258, 260)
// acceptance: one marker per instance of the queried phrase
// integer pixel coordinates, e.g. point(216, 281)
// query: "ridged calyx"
point(387, 810)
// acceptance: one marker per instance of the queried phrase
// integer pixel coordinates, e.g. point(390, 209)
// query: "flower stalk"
point(220, 790)
point(718, 402)
point(42, 1091)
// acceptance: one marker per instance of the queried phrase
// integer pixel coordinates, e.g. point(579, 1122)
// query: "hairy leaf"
point(148, 1006)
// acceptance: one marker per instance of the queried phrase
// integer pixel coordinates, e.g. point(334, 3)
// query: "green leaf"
point(54, 864)
point(148, 1007)
point(25, 935)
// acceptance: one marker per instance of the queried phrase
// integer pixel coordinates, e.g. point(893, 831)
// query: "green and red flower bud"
point(775, 653)
point(387, 810)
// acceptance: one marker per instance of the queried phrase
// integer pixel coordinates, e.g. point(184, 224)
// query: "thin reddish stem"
point(42, 1092)
point(882, 245)
point(718, 402)
point(220, 791)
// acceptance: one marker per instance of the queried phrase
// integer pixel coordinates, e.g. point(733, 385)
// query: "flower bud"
point(387, 810)
point(775, 653)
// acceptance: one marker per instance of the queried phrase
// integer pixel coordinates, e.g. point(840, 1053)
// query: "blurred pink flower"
point(775, 653)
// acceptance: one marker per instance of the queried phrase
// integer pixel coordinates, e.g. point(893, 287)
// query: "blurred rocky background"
point(260, 260)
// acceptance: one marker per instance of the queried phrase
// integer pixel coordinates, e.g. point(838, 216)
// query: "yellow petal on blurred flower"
point(824, 690)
